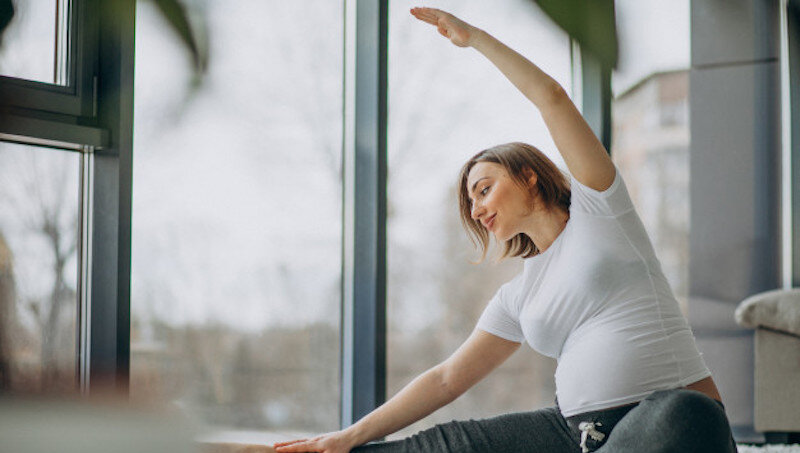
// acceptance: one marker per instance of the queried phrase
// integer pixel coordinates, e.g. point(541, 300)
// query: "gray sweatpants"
point(669, 421)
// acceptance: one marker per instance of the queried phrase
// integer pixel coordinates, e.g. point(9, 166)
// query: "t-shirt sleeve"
point(613, 201)
point(500, 318)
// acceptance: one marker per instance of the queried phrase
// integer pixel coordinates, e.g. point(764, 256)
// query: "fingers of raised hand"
point(429, 15)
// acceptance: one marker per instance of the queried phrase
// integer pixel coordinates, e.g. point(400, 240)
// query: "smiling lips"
point(489, 222)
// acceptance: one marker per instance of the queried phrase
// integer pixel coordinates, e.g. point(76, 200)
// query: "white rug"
point(770, 449)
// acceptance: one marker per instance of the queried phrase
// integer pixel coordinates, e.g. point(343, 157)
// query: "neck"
point(545, 226)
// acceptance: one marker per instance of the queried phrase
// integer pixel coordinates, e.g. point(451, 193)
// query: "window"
point(790, 116)
point(445, 105)
point(35, 42)
point(47, 61)
point(236, 274)
point(650, 122)
point(236, 262)
point(40, 193)
point(64, 106)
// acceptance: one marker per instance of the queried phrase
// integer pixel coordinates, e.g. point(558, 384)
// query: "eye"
point(485, 190)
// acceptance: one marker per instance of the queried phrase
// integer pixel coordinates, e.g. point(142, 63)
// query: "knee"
point(697, 418)
point(694, 411)
point(690, 402)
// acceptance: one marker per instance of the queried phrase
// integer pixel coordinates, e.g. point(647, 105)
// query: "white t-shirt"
point(597, 300)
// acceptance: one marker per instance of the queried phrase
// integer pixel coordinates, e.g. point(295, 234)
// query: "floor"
point(770, 449)
point(256, 442)
point(242, 448)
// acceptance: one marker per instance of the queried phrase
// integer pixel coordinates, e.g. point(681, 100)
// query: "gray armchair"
point(776, 317)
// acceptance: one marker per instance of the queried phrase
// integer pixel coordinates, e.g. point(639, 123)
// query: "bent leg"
point(542, 431)
point(671, 421)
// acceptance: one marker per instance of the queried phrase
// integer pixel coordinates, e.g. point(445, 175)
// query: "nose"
point(477, 210)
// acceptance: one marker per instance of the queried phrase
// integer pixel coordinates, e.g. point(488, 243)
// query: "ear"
point(531, 177)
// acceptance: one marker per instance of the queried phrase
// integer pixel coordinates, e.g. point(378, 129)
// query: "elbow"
point(447, 384)
point(554, 94)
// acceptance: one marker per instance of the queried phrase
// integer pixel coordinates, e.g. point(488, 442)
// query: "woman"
point(592, 294)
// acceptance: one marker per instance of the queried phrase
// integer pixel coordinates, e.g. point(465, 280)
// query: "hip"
point(665, 408)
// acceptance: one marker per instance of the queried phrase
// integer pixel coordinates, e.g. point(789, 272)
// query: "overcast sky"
point(653, 36)
point(216, 185)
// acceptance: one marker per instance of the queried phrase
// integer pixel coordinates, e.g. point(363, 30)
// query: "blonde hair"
point(520, 161)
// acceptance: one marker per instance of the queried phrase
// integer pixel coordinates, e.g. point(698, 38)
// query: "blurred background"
point(236, 225)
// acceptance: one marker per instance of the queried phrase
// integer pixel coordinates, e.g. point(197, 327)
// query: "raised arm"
point(478, 356)
point(587, 159)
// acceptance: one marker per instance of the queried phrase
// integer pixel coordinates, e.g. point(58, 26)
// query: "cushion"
point(778, 309)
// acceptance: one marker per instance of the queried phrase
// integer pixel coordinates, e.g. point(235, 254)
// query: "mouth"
point(489, 222)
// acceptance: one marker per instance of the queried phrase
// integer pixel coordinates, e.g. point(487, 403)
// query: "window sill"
point(228, 447)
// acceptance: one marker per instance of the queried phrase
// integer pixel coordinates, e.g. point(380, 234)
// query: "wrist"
point(354, 436)
point(478, 38)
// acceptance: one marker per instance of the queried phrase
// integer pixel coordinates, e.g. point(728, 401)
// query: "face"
point(498, 201)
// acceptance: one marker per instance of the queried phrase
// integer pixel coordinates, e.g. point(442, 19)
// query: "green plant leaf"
point(590, 22)
point(172, 10)
point(175, 14)
point(6, 14)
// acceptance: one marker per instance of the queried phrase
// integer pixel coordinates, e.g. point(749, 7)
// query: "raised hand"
point(336, 442)
point(459, 32)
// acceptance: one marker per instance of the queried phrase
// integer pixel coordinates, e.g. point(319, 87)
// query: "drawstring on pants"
point(588, 429)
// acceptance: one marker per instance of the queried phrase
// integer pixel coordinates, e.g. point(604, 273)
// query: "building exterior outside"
point(650, 146)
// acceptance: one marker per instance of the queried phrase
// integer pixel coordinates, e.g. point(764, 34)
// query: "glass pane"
point(446, 104)
point(650, 123)
point(39, 218)
point(35, 42)
point(237, 218)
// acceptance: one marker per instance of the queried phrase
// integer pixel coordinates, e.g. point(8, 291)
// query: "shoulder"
point(608, 199)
